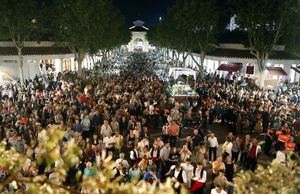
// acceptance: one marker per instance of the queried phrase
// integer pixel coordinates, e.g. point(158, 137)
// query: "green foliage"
point(18, 20)
point(265, 22)
point(198, 24)
point(19, 23)
point(275, 178)
point(292, 33)
point(189, 26)
point(89, 25)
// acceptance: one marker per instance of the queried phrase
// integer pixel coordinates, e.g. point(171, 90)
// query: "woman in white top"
point(185, 153)
point(188, 173)
point(227, 148)
point(200, 177)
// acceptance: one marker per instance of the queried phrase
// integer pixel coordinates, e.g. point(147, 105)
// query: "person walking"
point(174, 132)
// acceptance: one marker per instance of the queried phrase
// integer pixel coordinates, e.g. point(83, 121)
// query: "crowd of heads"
point(150, 135)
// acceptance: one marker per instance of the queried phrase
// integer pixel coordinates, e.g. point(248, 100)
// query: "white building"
point(38, 58)
point(235, 58)
point(139, 40)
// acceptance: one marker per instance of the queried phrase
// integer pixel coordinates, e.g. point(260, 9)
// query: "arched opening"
point(138, 44)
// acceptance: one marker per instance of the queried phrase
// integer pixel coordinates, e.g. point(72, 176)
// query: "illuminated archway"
point(138, 44)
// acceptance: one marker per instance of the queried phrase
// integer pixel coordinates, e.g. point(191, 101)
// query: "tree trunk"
point(184, 57)
point(167, 54)
point(173, 55)
point(193, 58)
point(177, 56)
point(80, 57)
point(109, 54)
point(104, 56)
point(20, 61)
point(201, 68)
point(261, 69)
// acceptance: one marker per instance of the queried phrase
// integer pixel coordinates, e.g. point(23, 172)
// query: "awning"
point(297, 69)
point(276, 71)
point(230, 67)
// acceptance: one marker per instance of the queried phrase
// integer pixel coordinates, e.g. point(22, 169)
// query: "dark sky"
point(148, 11)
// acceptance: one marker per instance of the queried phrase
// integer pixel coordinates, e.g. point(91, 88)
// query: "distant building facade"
point(139, 42)
point(237, 60)
point(38, 59)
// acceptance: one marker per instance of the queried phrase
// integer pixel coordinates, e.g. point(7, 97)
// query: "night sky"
point(148, 11)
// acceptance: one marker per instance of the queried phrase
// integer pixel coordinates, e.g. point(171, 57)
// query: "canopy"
point(296, 69)
point(276, 71)
point(178, 71)
point(230, 67)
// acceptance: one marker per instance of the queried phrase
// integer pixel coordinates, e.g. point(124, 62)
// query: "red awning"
point(276, 71)
point(230, 67)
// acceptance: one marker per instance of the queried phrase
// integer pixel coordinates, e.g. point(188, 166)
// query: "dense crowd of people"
point(116, 114)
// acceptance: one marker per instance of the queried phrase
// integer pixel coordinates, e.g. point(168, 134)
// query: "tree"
point(86, 26)
point(189, 26)
point(292, 35)
point(117, 33)
point(19, 24)
point(167, 35)
point(198, 20)
point(265, 23)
